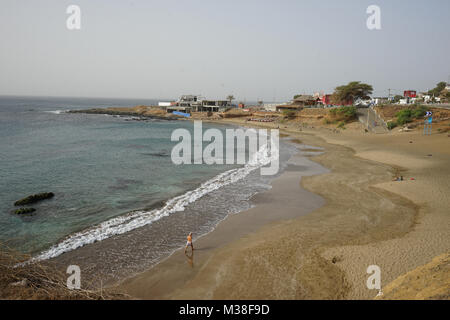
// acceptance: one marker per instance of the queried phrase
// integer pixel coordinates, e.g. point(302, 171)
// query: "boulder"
point(34, 198)
point(24, 210)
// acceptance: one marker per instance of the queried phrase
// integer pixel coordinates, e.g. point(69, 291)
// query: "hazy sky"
point(251, 49)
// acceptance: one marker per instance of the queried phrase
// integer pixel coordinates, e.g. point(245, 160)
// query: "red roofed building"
point(410, 94)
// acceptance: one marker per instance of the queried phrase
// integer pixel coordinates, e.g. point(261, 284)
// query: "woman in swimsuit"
point(189, 242)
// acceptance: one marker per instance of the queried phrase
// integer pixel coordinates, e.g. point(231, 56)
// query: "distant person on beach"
point(189, 242)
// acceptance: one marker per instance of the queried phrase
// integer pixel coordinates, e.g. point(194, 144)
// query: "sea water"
point(120, 203)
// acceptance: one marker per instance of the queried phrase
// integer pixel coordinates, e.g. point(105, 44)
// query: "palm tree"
point(230, 98)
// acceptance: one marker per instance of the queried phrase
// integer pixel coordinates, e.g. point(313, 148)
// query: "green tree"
point(352, 91)
point(438, 90)
point(230, 98)
point(397, 98)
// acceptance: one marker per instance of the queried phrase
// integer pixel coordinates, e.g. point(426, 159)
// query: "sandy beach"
point(313, 235)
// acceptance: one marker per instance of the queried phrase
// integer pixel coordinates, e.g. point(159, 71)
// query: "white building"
point(273, 106)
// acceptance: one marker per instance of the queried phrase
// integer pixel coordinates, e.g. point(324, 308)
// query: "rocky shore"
point(140, 112)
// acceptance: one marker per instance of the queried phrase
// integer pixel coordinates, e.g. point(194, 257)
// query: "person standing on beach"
point(189, 242)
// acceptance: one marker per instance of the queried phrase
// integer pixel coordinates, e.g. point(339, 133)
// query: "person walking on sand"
point(189, 242)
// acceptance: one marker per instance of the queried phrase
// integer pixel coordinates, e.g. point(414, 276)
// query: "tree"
point(438, 90)
point(397, 98)
point(260, 102)
point(230, 98)
point(351, 91)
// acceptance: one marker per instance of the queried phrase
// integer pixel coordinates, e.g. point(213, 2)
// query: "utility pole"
point(389, 95)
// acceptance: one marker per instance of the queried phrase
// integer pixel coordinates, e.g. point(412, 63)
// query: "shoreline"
point(321, 269)
point(232, 228)
point(107, 246)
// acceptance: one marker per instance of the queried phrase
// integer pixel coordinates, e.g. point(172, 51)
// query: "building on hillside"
point(410, 94)
point(196, 103)
point(213, 105)
point(189, 101)
point(305, 100)
point(380, 100)
point(285, 107)
point(326, 99)
point(273, 106)
point(166, 104)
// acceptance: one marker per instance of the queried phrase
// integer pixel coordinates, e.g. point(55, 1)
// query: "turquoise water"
point(120, 204)
point(98, 166)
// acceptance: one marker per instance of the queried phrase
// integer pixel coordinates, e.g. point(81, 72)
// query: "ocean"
point(120, 203)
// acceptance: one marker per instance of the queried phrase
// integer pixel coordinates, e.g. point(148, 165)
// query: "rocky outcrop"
point(34, 198)
point(131, 112)
point(25, 210)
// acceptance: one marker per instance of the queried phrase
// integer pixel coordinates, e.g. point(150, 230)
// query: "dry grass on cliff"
point(39, 281)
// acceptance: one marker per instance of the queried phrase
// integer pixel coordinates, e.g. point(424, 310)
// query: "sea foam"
point(56, 111)
point(137, 219)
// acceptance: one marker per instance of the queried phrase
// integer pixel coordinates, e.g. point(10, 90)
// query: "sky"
point(254, 50)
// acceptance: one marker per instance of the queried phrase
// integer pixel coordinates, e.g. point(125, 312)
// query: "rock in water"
point(24, 210)
point(34, 198)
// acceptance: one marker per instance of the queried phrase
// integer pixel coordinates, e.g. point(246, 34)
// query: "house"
point(295, 107)
point(305, 100)
point(326, 100)
point(196, 103)
point(165, 104)
point(273, 106)
point(213, 105)
point(380, 100)
point(189, 101)
point(410, 94)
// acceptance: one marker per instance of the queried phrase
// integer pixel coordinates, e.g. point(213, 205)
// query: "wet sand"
point(281, 249)
point(179, 269)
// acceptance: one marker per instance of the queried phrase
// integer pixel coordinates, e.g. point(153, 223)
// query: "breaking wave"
point(137, 219)
point(56, 111)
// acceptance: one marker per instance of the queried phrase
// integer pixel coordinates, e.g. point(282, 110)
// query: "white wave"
point(56, 111)
point(137, 219)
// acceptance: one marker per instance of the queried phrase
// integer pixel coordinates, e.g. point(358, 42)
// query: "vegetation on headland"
point(438, 90)
point(397, 98)
point(345, 114)
point(341, 116)
point(351, 92)
point(413, 116)
point(40, 281)
point(289, 114)
point(34, 198)
point(407, 115)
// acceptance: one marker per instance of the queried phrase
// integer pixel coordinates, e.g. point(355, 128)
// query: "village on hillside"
point(350, 103)
point(354, 93)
